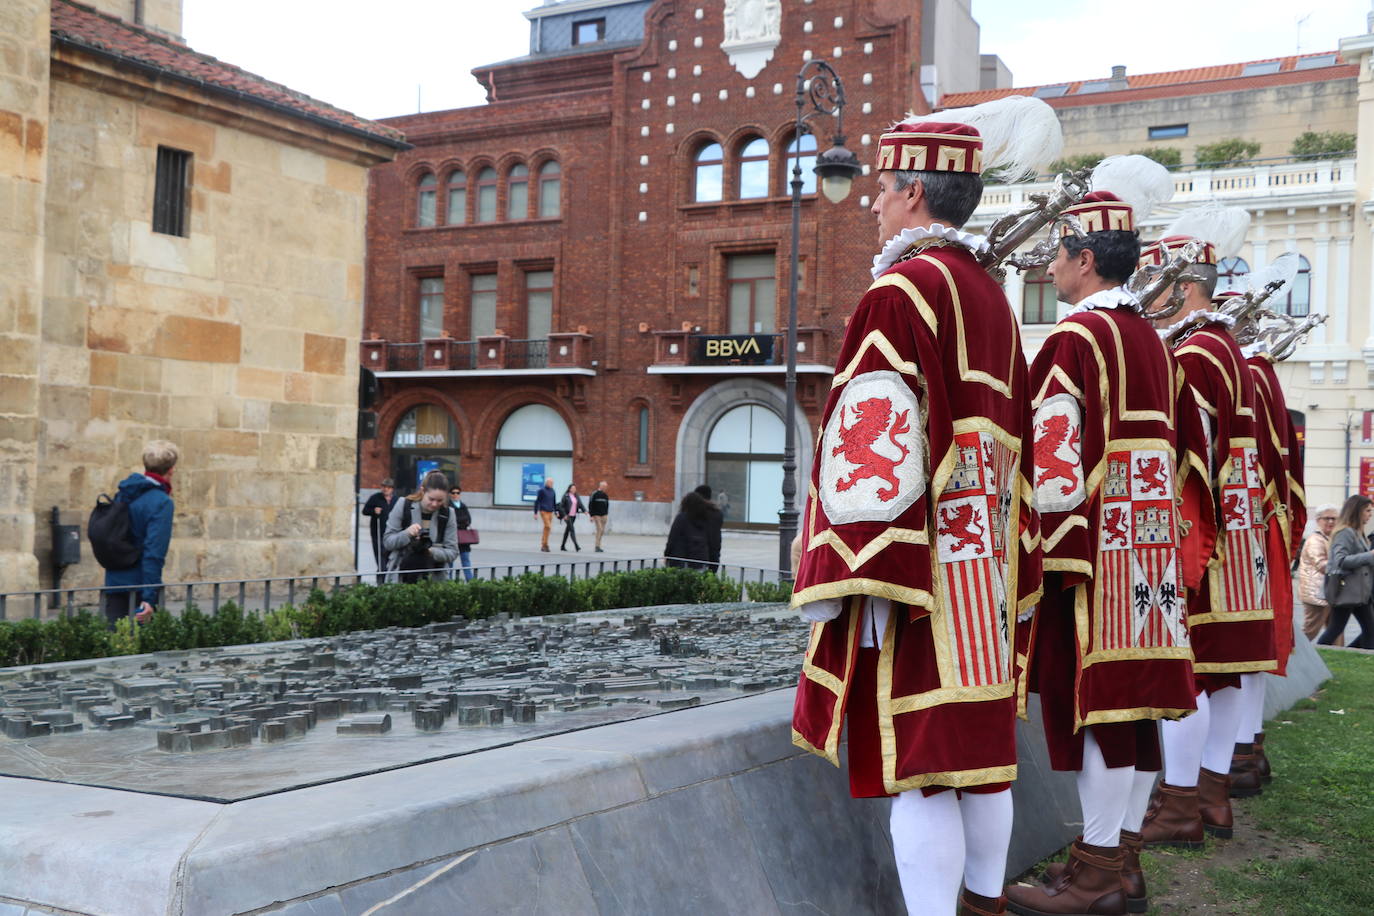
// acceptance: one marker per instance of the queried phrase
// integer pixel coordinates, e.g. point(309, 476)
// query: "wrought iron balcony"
point(558, 354)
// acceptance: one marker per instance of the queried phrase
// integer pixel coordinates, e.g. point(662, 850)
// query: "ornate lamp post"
point(818, 89)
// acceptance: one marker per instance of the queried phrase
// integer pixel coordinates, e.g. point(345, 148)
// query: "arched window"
point(534, 443)
point(642, 437)
point(550, 189)
point(424, 200)
point(518, 192)
point(486, 195)
point(744, 465)
point(808, 165)
point(753, 169)
point(1039, 301)
point(710, 173)
point(1231, 275)
point(1299, 301)
point(425, 440)
point(457, 198)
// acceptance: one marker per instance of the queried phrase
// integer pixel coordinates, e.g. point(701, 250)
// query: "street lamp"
point(837, 167)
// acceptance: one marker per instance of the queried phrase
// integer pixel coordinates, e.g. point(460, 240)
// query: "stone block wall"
point(24, 27)
point(238, 342)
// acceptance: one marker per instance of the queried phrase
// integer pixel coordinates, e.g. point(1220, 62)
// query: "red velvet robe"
point(1118, 443)
point(1231, 618)
point(1289, 517)
point(919, 494)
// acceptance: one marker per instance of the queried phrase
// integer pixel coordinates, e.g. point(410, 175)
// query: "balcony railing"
point(1258, 181)
point(570, 352)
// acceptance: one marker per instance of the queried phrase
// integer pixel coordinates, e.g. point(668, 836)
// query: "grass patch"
point(1306, 847)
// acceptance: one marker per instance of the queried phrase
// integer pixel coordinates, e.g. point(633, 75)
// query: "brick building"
point(586, 278)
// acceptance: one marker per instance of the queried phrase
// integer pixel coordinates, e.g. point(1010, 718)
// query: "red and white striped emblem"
point(977, 621)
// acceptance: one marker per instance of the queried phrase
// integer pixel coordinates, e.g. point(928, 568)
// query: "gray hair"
point(160, 456)
point(1207, 274)
point(1326, 507)
point(950, 196)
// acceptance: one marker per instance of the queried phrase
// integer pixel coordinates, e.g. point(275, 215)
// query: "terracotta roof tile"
point(1193, 81)
point(85, 27)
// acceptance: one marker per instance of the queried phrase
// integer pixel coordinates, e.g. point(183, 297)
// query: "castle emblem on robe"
point(753, 29)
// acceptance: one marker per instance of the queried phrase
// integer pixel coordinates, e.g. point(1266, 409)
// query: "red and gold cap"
point(931, 146)
point(1100, 211)
point(1220, 299)
point(1159, 252)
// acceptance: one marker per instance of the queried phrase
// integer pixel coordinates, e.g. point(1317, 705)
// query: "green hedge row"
point(366, 607)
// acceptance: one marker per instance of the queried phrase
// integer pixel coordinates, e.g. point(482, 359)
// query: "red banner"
point(1367, 477)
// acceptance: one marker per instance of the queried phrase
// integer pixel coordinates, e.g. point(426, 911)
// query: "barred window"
point(172, 192)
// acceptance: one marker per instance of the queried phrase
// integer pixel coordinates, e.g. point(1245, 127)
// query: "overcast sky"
point(379, 60)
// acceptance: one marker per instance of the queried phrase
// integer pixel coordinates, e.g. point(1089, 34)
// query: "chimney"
point(1118, 72)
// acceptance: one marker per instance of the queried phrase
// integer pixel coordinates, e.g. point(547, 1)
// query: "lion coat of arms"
point(873, 452)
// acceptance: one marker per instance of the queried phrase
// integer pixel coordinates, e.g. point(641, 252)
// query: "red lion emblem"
point(1051, 435)
point(1114, 523)
point(1254, 464)
point(1232, 509)
point(1150, 473)
point(871, 418)
point(960, 523)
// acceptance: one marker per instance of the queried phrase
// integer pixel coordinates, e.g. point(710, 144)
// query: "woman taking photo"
point(421, 533)
point(1350, 574)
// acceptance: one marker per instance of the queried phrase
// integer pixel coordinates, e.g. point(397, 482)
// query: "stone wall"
point(23, 173)
point(236, 342)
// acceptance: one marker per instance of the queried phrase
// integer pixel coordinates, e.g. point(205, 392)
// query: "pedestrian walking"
point(421, 533)
point(599, 508)
point(568, 508)
point(1312, 574)
point(1350, 574)
point(545, 504)
point(376, 510)
point(462, 517)
point(148, 499)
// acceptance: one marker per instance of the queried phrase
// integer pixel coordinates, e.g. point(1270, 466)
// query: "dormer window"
point(588, 31)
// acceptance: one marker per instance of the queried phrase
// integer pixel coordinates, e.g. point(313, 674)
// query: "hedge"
point(366, 607)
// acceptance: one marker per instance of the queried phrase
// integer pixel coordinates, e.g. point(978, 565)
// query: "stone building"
point(586, 278)
point(1319, 207)
point(183, 249)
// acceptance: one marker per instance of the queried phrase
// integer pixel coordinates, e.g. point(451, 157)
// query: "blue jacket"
point(545, 500)
point(150, 517)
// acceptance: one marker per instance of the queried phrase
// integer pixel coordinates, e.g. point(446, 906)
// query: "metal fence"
point(527, 354)
point(265, 594)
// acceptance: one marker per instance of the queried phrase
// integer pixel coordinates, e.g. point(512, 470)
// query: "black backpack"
point(111, 533)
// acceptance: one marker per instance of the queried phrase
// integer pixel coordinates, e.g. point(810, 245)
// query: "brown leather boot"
point(971, 904)
point(1173, 818)
point(1214, 803)
point(1266, 773)
point(1090, 885)
point(1132, 878)
point(1245, 774)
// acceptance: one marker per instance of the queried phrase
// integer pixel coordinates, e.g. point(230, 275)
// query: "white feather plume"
point(1021, 135)
point(1284, 268)
point(1138, 180)
point(1224, 227)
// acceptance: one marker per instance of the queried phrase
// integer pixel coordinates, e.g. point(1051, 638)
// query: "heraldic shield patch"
point(873, 460)
point(1059, 454)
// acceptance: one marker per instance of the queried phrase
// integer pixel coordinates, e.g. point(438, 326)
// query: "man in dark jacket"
point(377, 508)
point(545, 502)
point(599, 508)
point(149, 498)
point(694, 539)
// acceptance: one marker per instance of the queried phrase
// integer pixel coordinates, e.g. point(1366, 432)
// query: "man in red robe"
point(1117, 440)
point(918, 547)
point(1249, 766)
point(1231, 617)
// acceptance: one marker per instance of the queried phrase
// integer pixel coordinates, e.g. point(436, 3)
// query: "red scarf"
point(160, 481)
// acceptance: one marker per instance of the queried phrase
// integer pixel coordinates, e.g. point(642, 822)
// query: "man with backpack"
point(130, 535)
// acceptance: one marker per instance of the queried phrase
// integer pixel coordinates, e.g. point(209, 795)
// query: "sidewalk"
point(505, 548)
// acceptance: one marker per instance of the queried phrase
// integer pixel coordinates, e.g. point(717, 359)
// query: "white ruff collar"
point(1105, 299)
point(1217, 317)
point(899, 243)
point(1258, 348)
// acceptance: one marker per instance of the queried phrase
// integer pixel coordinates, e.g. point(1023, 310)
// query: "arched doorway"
point(744, 465)
point(426, 439)
point(534, 443)
point(706, 447)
